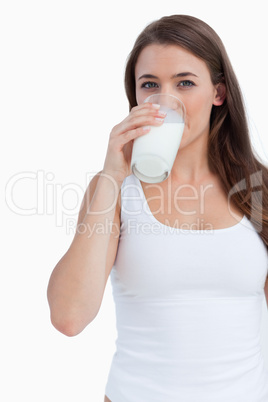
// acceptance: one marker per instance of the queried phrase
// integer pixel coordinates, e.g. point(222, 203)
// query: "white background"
point(61, 72)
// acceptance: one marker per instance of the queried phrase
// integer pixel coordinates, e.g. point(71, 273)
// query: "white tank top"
point(188, 310)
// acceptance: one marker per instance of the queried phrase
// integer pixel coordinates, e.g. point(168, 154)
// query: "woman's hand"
point(118, 157)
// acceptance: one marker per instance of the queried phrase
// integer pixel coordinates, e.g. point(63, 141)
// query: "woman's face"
point(174, 70)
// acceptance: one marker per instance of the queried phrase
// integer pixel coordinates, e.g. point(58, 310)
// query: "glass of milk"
point(154, 153)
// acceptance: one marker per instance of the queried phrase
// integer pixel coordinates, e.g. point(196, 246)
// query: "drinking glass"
point(154, 153)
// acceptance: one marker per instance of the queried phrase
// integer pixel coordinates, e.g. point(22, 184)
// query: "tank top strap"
point(133, 202)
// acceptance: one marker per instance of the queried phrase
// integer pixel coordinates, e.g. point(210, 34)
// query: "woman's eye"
point(186, 83)
point(149, 85)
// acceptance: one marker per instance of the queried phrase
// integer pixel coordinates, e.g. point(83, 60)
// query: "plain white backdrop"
point(61, 74)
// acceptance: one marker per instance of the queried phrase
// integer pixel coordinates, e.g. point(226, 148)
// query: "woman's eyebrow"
point(148, 76)
point(184, 74)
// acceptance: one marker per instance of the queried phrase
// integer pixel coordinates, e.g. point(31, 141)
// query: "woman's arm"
point(78, 281)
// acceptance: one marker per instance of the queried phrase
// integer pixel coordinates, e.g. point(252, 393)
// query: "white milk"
point(154, 153)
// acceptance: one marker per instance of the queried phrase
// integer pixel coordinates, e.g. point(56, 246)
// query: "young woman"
point(187, 256)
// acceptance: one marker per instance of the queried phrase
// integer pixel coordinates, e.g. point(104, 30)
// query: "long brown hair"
point(230, 152)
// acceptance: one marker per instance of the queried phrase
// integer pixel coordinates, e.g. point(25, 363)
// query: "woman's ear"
point(220, 94)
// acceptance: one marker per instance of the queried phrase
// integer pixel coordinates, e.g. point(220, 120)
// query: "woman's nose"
point(167, 90)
